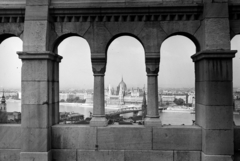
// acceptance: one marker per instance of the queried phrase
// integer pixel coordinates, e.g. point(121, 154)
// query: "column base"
point(149, 121)
point(216, 157)
point(98, 122)
point(36, 156)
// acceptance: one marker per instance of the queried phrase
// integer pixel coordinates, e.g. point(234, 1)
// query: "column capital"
point(45, 55)
point(152, 64)
point(98, 63)
point(214, 54)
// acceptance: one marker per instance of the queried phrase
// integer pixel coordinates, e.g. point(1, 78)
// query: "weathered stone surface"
point(217, 142)
point(236, 156)
point(99, 121)
point(56, 92)
point(37, 2)
point(177, 138)
point(237, 138)
point(214, 70)
point(152, 37)
point(127, 27)
point(37, 70)
point(10, 155)
point(216, 157)
point(55, 113)
point(98, 37)
point(152, 109)
point(36, 139)
point(187, 156)
point(35, 37)
point(73, 137)
point(10, 136)
point(124, 138)
point(36, 13)
point(65, 28)
point(35, 156)
point(216, 34)
point(64, 155)
point(14, 28)
point(145, 155)
point(152, 122)
point(174, 27)
point(35, 92)
point(215, 93)
point(106, 155)
point(216, 10)
point(215, 117)
point(38, 114)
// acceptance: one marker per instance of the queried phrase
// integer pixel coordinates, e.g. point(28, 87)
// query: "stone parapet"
point(10, 154)
point(217, 142)
point(10, 136)
point(179, 138)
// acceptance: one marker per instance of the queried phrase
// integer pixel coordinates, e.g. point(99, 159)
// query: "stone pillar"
point(152, 68)
point(213, 72)
point(55, 89)
point(99, 67)
point(214, 102)
point(37, 104)
point(37, 78)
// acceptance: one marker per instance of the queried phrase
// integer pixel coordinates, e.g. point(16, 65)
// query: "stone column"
point(37, 104)
point(55, 89)
point(214, 102)
point(213, 72)
point(152, 68)
point(99, 67)
point(37, 78)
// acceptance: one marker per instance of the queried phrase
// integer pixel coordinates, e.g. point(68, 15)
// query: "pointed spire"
point(3, 98)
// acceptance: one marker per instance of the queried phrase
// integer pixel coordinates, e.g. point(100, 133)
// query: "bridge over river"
point(127, 110)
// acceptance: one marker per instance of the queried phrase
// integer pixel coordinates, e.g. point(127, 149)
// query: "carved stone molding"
point(213, 54)
point(47, 55)
point(152, 65)
point(98, 64)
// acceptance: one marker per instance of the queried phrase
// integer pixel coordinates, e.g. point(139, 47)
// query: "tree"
point(179, 101)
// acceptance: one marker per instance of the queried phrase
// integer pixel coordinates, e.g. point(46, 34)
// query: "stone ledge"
point(10, 136)
point(10, 154)
point(177, 138)
point(124, 138)
point(217, 54)
point(73, 137)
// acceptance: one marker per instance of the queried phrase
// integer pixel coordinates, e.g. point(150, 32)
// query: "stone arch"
point(187, 35)
point(123, 34)
point(5, 36)
point(63, 37)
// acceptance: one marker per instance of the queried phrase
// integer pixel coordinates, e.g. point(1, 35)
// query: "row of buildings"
point(121, 95)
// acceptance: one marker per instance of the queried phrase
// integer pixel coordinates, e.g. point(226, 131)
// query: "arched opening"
point(236, 79)
point(176, 81)
point(10, 81)
point(125, 77)
point(75, 80)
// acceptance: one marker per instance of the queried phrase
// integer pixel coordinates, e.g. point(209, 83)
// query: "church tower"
point(3, 110)
point(3, 105)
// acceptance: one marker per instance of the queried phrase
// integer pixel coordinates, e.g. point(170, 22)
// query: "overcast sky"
point(125, 59)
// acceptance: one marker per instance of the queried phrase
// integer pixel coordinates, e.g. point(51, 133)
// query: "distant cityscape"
point(120, 96)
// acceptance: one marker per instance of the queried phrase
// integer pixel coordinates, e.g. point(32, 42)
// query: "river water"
point(173, 118)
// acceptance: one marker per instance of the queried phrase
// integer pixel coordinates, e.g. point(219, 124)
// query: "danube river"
point(173, 118)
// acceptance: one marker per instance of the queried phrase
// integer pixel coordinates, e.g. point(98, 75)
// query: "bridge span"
point(127, 110)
